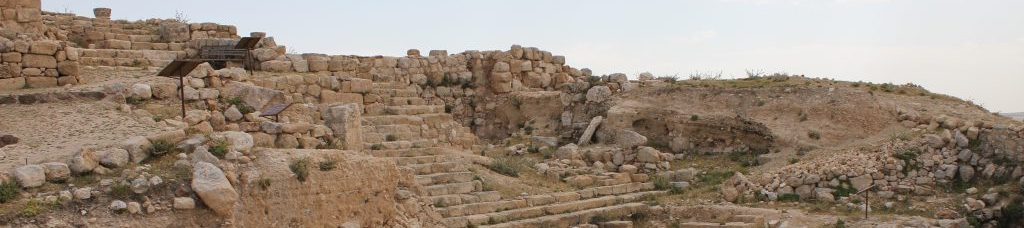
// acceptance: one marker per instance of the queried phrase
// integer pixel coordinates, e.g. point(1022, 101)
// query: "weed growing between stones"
point(300, 168)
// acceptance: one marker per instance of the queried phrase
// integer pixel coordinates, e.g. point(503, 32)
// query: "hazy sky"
point(973, 49)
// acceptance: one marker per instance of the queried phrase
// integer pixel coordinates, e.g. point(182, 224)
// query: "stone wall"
point(23, 16)
point(37, 64)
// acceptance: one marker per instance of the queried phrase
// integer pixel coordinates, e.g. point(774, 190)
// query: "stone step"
point(453, 188)
point(722, 225)
point(408, 152)
point(397, 101)
point(440, 167)
point(402, 161)
point(512, 217)
point(574, 218)
point(396, 92)
point(459, 199)
point(389, 85)
point(423, 143)
point(542, 199)
point(444, 178)
point(413, 109)
point(407, 119)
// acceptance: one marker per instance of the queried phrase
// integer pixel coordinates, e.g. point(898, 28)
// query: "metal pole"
point(181, 90)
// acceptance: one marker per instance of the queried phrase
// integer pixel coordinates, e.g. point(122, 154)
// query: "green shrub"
point(240, 105)
point(328, 165)
point(789, 197)
point(34, 208)
point(715, 178)
point(9, 191)
point(121, 190)
point(533, 149)
point(509, 166)
point(844, 189)
point(794, 160)
point(160, 147)
point(694, 117)
point(391, 138)
point(377, 147)
point(219, 149)
point(133, 101)
point(840, 223)
point(300, 167)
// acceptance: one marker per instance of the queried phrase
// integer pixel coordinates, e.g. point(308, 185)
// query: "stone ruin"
point(414, 128)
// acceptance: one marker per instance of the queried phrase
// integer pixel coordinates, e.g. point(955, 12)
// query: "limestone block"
point(39, 61)
point(44, 47)
point(117, 44)
point(41, 82)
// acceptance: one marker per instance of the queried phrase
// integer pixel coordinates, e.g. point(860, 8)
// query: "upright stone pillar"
point(102, 13)
point(345, 121)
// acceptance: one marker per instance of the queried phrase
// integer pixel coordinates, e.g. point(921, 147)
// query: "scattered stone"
point(628, 139)
point(118, 206)
point(140, 185)
point(56, 171)
point(184, 203)
point(569, 151)
point(30, 176)
point(137, 147)
point(84, 161)
point(115, 158)
point(134, 207)
point(83, 193)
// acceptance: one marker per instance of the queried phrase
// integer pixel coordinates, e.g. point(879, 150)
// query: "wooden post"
point(181, 90)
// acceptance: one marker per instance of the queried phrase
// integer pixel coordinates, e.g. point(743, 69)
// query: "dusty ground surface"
point(54, 131)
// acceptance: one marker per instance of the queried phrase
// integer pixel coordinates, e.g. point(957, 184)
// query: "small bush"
point(789, 197)
point(661, 183)
point(794, 160)
point(840, 223)
point(328, 165)
point(121, 190)
point(509, 166)
point(814, 135)
point(391, 138)
point(533, 149)
point(802, 116)
point(9, 191)
point(133, 101)
point(377, 147)
point(219, 149)
point(694, 117)
point(160, 147)
point(264, 183)
point(715, 178)
point(240, 105)
point(34, 208)
point(669, 78)
point(300, 168)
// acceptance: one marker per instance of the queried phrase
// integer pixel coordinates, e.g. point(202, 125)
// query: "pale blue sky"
point(970, 49)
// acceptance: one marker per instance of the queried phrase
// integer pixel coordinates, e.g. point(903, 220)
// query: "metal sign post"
point(180, 69)
point(867, 200)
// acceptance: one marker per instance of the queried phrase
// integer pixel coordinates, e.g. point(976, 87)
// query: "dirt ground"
point(54, 131)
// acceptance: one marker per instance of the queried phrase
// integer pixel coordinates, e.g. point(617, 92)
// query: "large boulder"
point(30, 176)
point(598, 94)
point(84, 161)
point(239, 141)
point(142, 91)
point(647, 155)
point(254, 96)
point(629, 139)
point(344, 121)
point(214, 189)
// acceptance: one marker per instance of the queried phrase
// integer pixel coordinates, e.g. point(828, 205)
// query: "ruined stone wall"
point(152, 42)
point(30, 59)
point(22, 16)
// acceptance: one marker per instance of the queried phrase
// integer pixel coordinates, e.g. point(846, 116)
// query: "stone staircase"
point(422, 138)
point(744, 221)
point(561, 209)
